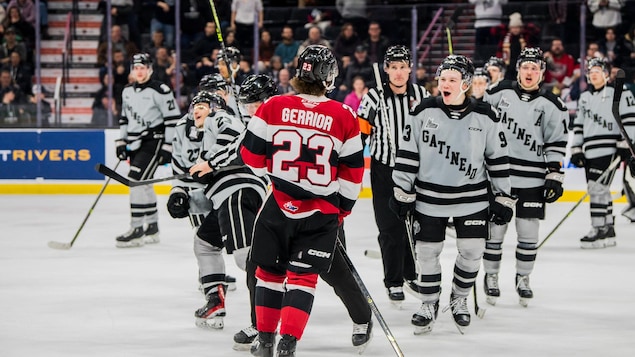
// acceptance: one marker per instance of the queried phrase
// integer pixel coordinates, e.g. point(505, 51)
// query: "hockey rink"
point(98, 300)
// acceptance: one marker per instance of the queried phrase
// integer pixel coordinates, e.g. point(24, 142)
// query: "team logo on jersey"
point(289, 206)
point(309, 104)
point(525, 97)
point(503, 103)
point(430, 124)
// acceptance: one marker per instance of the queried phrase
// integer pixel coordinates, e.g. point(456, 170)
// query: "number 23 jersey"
point(311, 149)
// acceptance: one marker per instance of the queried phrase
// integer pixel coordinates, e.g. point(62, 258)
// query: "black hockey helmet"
point(531, 54)
point(495, 62)
point(481, 72)
point(598, 62)
point(316, 64)
point(232, 54)
point(214, 100)
point(142, 58)
point(397, 53)
point(256, 88)
point(458, 63)
point(212, 82)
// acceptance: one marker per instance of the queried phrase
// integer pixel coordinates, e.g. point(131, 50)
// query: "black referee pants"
point(393, 242)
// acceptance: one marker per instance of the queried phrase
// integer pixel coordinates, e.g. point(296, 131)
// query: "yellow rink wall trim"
point(118, 189)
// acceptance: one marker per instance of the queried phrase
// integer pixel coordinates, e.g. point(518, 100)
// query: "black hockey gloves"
point(165, 154)
point(402, 202)
point(502, 209)
point(577, 157)
point(122, 150)
point(178, 202)
point(553, 184)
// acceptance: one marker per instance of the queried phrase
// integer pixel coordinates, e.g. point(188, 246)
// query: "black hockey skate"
point(595, 239)
point(460, 312)
point(244, 338)
point(151, 234)
point(286, 346)
point(396, 296)
point(610, 236)
point(263, 345)
point(423, 320)
point(130, 239)
point(362, 334)
point(212, 314)
point(523, 289)
point(492, 291)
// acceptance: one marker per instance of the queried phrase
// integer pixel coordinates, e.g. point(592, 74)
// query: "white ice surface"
point(98, 300)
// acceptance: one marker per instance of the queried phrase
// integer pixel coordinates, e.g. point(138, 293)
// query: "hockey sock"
point(526, 249)
point(430, 278)
point(467, 264)
point(268, 296)
point(297, 303)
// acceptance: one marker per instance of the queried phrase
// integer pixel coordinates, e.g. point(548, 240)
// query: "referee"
point(399, 95)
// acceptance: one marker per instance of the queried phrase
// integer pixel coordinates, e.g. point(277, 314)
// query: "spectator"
point(346, 42)
point(3, 14)
point(354, 98)
point(613, 47)
point(629, 53)
point(314, 38)
point(606, 13)
point(10, 45)
point(284, 87)
point(360, 66)
point(26, 8)
point(204, 48)
point(275, 65)
point(21, 72)
point(376, 44)
point(120, 72)
point(319, 18)
point(45, 106)
point(162, 66)
point(421, 75)
point(230, 39)
point(245, 70)
point(354, 12)
point(287, 49)
point(157, 40)
point(24, 30)
point(102, 104)
point(195, 14)
point(124, 13)
point(488, 14)
point(163, 19)
point(558, 14)
point(266, 47)
point(119, 42)
point(562, 69)
point(244, 13)
point(518, 37)
point(11, 99)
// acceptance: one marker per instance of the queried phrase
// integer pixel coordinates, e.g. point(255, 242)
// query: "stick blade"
point(59, 245)
point(107, 171)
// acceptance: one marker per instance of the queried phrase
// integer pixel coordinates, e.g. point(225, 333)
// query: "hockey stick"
point(219, 34)
point(369, 299)
point(480, 312)
point(67, 246)
point(450, 26)
point(609, 171)
point(382, 107)
point(105, 170)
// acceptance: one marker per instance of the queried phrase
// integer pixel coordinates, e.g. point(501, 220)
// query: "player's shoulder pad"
point(485, 108)
point(159, 86)
point(182, 121)
point(554, 99)
point(502, 85)
point(429, 102)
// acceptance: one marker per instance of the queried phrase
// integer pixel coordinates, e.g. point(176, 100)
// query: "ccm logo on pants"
point(318, 253)
point(475, 222)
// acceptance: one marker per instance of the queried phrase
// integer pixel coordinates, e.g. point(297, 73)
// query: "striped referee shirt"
point(384, 133)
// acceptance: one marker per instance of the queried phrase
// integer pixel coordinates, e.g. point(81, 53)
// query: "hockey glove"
point(122, 149)
point(623, 151)
point(553, 185)
point(577, 157)
point(178, 202)
point(165, 154)
point(402, 202)
point(502, 209)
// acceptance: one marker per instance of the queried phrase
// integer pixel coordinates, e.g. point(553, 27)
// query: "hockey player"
point(596, 142)
point(480, 83)
point(253, 92)
point(384, 129)
point(535, 125)
point(496, 68)
point(452, 146)
point(215, 83)
point(310, 148)
point(236, 195)
point(149, 114)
